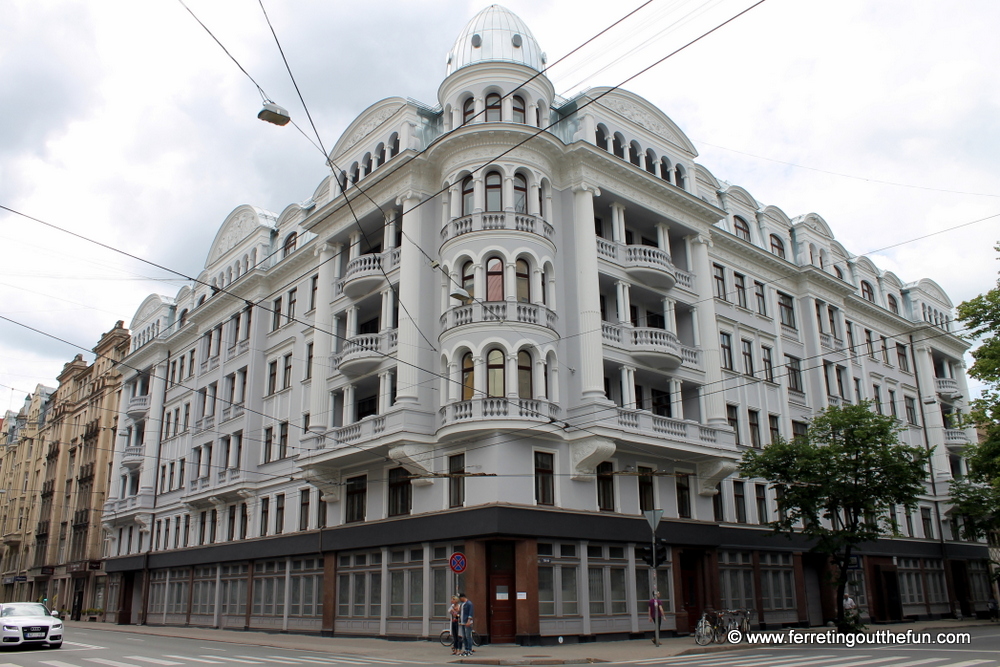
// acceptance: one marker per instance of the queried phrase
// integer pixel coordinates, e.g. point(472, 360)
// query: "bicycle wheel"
point(476, 639)
point(703, 633)
point(445, 638)
point(719, 631)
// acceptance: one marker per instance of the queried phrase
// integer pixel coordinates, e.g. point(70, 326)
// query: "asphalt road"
point(96, 648)
point(983, 650)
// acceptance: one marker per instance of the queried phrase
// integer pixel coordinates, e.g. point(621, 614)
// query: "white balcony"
point(947, 387)
point(647, 264)
point(138, 406)
point(658, 348)
point(524, 223)
point(498, 311)
point(364, 352)
point(498, 409)
point(955, 437)
point(133, 456)
point(654, 426)
point(366, 272)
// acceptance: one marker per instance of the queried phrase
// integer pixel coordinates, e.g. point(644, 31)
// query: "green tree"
point(839, 482)
point(977, 496)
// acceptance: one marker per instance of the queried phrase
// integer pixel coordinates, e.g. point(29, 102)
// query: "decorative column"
point(508, 193)
point(534, 204)
point(813, 325)
point(352, 322)
point(455, 199)
point(663, 237)
point(588, 287)
point(670, 314)
point(355, 248)
point(389, 237)
point(453, 385)
point(537, 288)
point(628, 387)
point(676, 399)
point(624, 302)
point(538, 379)
point(408, 346)
point(931, 408)
point(511, 376)
point(388, 309)
point(348, 405)
point(384, 391)
point(714, 409)
point(617, 223)
point(510, 286)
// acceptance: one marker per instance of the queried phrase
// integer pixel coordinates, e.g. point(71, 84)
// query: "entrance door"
point(125, 605)
point(501, 595)
point(814, 595)
point(960, 581)
point(691, 588)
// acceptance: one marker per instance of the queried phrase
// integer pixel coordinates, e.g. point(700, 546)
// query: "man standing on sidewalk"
point(656, 612)
point(465, 620)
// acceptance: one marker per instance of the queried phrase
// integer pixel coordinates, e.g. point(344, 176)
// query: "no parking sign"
point(457, 562)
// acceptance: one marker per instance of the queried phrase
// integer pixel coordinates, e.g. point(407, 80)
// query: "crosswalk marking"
point(111, 663)
point(243, 660)
point(696, 660)
point(155, 661)
point(188, 657)
point(914, 663)
point(69, 643)
point(966, 663)
point(758, 662)
point(57, 663)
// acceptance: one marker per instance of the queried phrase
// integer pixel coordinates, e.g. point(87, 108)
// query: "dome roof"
point(495, 34)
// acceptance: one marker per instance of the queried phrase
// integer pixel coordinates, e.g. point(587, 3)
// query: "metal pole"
point(656, 598)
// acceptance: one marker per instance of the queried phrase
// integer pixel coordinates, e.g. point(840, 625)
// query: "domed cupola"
point(495, 35)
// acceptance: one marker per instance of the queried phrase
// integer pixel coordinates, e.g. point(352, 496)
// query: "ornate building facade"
point(536, 318)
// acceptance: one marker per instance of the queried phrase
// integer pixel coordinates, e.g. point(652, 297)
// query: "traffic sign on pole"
point(653, 517)
point(458, 562)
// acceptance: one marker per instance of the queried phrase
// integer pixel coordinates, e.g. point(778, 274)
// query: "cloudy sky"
point(124, 122)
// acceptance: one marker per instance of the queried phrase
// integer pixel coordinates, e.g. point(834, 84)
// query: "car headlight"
point(11, 627)
point(57, 626)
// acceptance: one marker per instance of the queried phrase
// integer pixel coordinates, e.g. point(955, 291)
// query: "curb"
point(528, 661)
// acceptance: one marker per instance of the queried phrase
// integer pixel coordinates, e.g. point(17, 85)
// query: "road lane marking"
point(155, 661)
point(248, 662)
point(111, 663)
point(188, 657)
point(58, 663)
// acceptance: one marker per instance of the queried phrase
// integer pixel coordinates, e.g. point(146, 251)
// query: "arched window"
point(380, 155)
point(633, 153)
point(524, 389)
point(893, 304)
point(468, 196)
point(289, 246)
point(494, 279)
point(468, 278)
point(742, 228)
point(665, 169)
point(368, 164)
point(867, 292)
point(836, 270)
point(651, 161)
point(468, 110)
point(494, 192)
point(679, 178)
point(468, 377)
point(355, 172)
point(494, 110)
point(184, 317)
point(519, 115)
point(777, 246)
point(602, 137)
point(520, 194)
point(619, 146)
point(523, 281)
point(495, 386)
point(342, 181)
point(394, 145)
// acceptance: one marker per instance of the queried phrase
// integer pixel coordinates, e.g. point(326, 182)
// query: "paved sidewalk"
point(504, 654)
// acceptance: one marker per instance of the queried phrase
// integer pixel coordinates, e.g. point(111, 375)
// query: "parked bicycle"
point(713, 626)
point(446, 639)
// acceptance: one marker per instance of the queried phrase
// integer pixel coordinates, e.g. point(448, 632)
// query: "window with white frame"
point(359, 585)
point(558, 580)
point(736, 579)
point(777, 581)
point(606, 569)
point(269, 588)
point(911, 585)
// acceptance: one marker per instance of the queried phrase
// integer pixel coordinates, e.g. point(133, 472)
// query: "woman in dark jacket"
point(454, 611)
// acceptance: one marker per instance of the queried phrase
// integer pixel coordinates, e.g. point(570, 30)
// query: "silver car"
point(30, 624)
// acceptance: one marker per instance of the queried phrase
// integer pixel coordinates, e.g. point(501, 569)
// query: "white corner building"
point(506, 326)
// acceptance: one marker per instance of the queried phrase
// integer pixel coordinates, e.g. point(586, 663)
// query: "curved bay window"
point(494, 192)
point(468, 278)
point(493, 108)
point(520, 194)
point(867, 291)
point(495, 385)
point(523, 281)
point(777, 246)
point(494, 279)
point(468, 110)
point(290, 241)
point(524, 388)
point(468, 196)
point(468, 377)
point(742, 229)
point(519, 115)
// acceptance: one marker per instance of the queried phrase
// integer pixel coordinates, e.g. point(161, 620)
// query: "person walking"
point(656, 613)
point(993, 608)
point(465, 619)
point(454, 611)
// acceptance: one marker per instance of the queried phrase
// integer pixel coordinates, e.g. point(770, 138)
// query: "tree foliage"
point(977, 496)
point(838, 483)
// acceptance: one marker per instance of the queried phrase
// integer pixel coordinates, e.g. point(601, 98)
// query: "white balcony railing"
point(482, 222)
point(647, 423)
point(498, 311)
point(493, 408)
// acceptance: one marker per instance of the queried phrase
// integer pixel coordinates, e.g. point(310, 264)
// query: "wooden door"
point(691, 589)
point(502, 617)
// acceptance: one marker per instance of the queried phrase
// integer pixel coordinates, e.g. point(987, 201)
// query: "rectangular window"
point(851, 345)
point(309, 361)
point(282, 440)
point(841, 374)
point(683, 482)
point(774, 426)
point(902, 360)
point(740, 281)
point(793, 367)
point(892, 404)
point(726, 350)
point(305, 495)
point(761, 496)
point(758, 289)
point(910, 405)
point(357, 495)
point(767, 359)
point(544, 489)
point(719, 279)
point(885, 350)
point(605, 487)
point(719, 504)
point(877, 398)
point(272, 377)
point(276, 314)
point(279, 514)
point(858, 394)
point(646, 489)
point(292, 298)
point(741, 502)
point(313, 289)
point(265, 508)
point(754, 418)
point(747, 348)
point(870, 343)
point(733, 417)
point(456, 482)
point(786, 309)
point(928, 524)
point(400, 492)
point(799, 429)
point(286, 375)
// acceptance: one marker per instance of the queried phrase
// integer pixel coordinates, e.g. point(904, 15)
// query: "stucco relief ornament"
point(373, 121)
point(639, 116)
point(239, 228)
